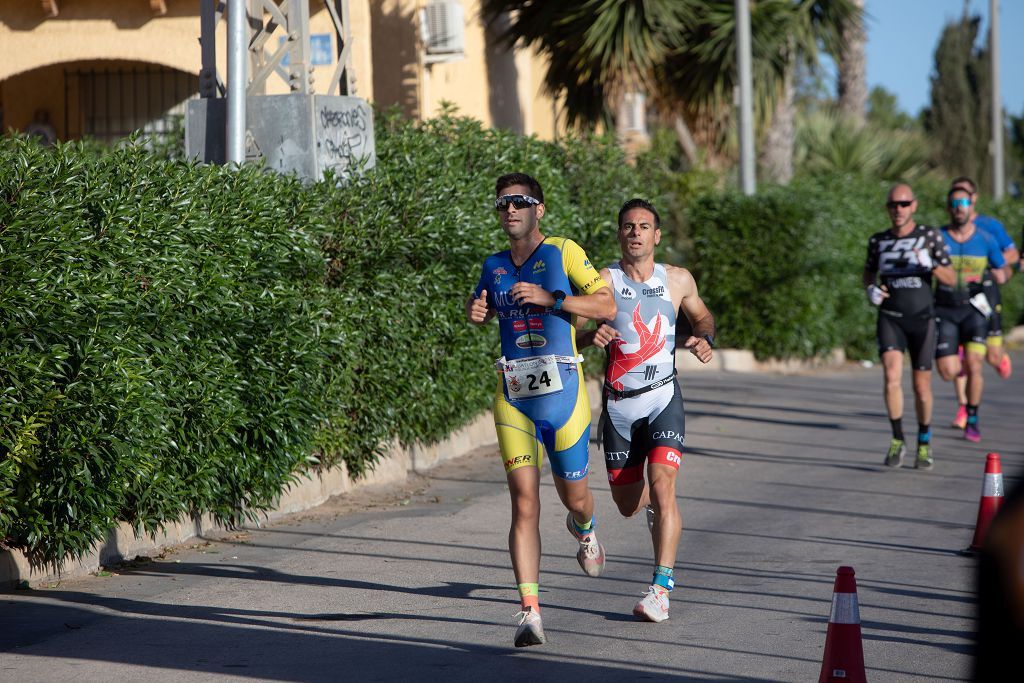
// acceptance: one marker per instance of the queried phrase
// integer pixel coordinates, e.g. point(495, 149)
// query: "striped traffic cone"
point(991, 500)
point(844, 656)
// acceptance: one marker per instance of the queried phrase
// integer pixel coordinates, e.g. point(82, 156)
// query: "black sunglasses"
point(520, 201)
point(904, 203)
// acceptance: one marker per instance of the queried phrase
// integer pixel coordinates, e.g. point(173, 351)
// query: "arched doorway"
point(101, 99)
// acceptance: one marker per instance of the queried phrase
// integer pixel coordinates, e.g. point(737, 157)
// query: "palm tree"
point(594, 48)
point(852, 69)
point(682, 52)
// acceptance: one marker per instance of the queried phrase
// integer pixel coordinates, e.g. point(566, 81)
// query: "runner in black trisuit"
point(904, 257)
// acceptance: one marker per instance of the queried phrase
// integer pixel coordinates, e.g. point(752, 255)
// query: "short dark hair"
point(510, 179)
point(964, 180)
point(954, 190)
point(637, 203)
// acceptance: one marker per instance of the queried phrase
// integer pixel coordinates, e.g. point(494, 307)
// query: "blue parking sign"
point(319, 49)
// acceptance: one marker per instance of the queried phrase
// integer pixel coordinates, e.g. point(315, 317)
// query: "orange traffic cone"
point(991, 500)
point(844, 657)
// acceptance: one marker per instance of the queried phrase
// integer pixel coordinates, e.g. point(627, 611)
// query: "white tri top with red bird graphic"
point(644, 351)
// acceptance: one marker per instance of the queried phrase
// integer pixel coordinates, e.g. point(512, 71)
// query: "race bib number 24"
point(532, 378)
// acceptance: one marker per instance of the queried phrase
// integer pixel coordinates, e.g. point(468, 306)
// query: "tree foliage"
point(828, 142)
point(884, 111)
point(683, 52)
point(959, 115)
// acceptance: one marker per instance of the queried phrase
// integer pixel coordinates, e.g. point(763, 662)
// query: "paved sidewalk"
point(782, 483)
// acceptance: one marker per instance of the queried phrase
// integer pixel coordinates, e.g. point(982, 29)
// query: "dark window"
point(112, 104)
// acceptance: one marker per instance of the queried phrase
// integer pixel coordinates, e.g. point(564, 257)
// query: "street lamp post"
point(998, 176)
point(238, 54)
point(746, 105)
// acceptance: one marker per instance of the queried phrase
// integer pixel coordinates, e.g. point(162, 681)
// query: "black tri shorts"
point(915, 334)
point(995, 300)
point(960, 325)
point(649, 427)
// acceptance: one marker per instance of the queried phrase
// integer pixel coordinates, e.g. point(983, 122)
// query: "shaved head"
point(901, 191)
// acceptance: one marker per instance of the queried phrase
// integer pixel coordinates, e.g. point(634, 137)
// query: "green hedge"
point(163, 338)
point(405, 244)
point(781, 270)
point(185, 339)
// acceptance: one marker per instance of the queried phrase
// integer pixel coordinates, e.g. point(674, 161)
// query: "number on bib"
point(532, 378)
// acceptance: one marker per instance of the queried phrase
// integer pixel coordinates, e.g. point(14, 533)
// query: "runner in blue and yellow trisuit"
point(536, 288)
point(962, 310)
point(995, 354)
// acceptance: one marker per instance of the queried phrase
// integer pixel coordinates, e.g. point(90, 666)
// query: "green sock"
point(583, 528)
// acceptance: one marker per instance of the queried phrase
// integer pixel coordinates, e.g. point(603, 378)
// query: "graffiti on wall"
point(344, 135)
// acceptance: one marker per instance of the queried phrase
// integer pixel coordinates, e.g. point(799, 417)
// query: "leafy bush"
point(781, 270)
point(163, 342)
point(410, 238)
point(1011, 213)
point(185, 339)
point(827, 143)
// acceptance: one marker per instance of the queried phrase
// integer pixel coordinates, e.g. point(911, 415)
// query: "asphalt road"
point(781, 484)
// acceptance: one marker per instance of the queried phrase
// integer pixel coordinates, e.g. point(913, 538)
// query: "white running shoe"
point(591, 553)
point(653, 606)
point(531, 630)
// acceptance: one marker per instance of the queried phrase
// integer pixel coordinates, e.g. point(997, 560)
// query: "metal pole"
point(238, 54)
point(746, 104)
point(998, 177)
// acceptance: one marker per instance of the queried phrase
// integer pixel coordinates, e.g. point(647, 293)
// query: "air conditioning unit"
point(634, 113)
point(443, 28)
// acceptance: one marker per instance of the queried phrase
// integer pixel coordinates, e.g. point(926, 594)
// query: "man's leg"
point(997, 357)
point(923, 409)
point(948, 367)
point(960, 386)
point(524, 547)
point(892, 364)
point(521, 452)
point(662, 442)
point(524, 534)
point(569, 449)
point(995, 352)
point(668, 522)
point(974, 359)
point(577, 499)
point(631, 498)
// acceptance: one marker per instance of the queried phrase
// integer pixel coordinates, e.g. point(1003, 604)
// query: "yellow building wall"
point(489, 83)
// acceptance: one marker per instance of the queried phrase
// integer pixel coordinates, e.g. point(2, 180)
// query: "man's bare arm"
point(696, 312)
point(603, 333)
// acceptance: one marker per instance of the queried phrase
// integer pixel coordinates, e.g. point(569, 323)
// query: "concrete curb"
point(741, 360)
point(123, 543)
point(1015, 338)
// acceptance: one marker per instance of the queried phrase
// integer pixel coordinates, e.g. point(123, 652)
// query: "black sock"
point(972, 414)
point(924, 433)
point(897, 428)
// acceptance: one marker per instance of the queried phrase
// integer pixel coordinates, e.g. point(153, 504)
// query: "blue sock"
point(580, 530)
point(663, 577)
point(924, 434)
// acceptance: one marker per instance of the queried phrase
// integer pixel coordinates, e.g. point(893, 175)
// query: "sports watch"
point(710, 340)
point(559, 298)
